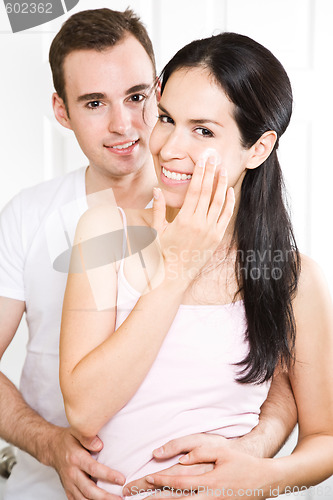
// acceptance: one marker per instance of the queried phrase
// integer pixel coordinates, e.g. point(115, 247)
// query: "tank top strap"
point(124, 244)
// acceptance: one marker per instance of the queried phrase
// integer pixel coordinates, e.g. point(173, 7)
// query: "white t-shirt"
point(36, 232)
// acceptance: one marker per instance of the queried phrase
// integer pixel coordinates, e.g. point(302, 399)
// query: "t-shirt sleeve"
point(11, 251)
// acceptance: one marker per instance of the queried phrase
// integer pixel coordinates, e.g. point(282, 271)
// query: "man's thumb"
point(91, 444)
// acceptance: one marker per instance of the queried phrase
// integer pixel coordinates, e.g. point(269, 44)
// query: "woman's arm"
point(312, 381)
point(100, 368)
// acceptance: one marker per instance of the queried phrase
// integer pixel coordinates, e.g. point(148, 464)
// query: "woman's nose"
point(174, 147)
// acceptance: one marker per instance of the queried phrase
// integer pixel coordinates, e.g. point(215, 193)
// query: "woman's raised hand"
point(190, 240)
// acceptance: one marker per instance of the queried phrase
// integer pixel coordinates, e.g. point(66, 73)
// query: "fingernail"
point(159, 451)
point(156, 193)
point(95, 443)
point(119, 481)
point(212, 160)
point(184, 459)
point(150, 479)
point(211, 153)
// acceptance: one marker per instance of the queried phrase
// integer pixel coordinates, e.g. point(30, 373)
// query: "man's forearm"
point(278, 418)
point(22, 426)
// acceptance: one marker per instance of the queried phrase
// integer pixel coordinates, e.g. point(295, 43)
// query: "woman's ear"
point(60, 111)
point(261, 150)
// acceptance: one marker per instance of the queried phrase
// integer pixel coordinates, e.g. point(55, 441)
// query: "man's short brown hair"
point(96, 29)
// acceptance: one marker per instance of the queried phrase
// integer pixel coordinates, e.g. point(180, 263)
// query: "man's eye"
point(165, 119)
point(137, 97)
point(204, 132)
point(94, 104)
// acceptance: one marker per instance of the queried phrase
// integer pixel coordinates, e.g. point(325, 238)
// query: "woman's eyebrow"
point(163, 109)
point(202, 121)
point(194, 121)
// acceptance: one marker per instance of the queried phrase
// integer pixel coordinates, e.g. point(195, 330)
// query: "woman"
point(223, 302)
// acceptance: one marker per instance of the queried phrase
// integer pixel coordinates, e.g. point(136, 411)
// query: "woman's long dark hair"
point(268, 262)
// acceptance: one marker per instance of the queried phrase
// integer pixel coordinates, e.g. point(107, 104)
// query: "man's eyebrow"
point(194, 121)
point(138, 88)
point(94, 96)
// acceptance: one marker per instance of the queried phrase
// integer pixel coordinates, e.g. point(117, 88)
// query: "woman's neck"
point(171, 213)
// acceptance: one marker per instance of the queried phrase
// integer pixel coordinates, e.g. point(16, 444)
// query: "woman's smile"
point(170, 176)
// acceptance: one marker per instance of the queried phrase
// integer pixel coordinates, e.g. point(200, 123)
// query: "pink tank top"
point(190, 388)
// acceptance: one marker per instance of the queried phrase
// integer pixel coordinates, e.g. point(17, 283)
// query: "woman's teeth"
point(175, 175)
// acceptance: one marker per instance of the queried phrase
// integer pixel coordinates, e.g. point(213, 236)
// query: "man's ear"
point(60, 111)
point(261, 150)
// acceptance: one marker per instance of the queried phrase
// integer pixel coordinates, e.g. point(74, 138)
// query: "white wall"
point(34, 147)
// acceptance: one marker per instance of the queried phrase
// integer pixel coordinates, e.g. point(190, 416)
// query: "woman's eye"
point(204, 132)
point(165, 119)
point(94, 104)
point(137, 97)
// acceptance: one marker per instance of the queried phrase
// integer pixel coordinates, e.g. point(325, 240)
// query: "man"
point(103, 69)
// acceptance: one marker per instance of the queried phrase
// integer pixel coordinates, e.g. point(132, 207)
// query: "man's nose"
point(119, 120)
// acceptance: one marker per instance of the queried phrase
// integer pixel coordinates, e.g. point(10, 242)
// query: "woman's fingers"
point(206, 187)
point(223, 202)
point(227, 211)
point(200, 199)
point(194, 189)
point(159, 210)
point(219, 197)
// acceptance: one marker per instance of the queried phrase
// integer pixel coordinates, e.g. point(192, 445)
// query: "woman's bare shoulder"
point(311, 275)
point(313, 293)
point(139, 217)
point(98, 220)
point(107, 217)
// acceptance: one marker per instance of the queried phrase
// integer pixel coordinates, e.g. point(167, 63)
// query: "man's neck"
point(130, 191)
